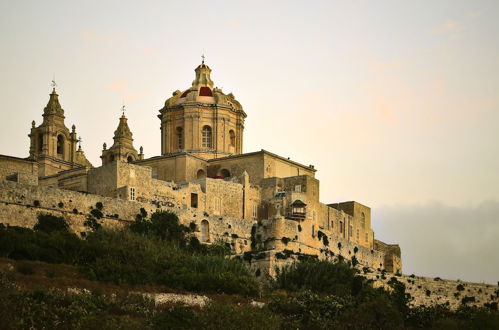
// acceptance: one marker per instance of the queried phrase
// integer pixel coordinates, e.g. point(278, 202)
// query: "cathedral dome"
point(202, 91)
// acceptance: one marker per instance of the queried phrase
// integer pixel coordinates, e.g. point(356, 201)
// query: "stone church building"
point(257, 202)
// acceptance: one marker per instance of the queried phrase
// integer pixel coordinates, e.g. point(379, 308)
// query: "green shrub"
point(49, 223)
point(318, 276)
point(92, 223)
point(96, 213)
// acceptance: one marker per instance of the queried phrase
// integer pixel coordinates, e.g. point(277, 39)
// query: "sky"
point(396, 103)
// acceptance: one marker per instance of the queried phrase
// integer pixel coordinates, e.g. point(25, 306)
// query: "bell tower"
point(122, 148)
point(52, 145)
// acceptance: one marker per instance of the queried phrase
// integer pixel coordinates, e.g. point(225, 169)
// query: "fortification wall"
point(304, 237)
point(425, 291)
point(18, 170)
point(20, 205)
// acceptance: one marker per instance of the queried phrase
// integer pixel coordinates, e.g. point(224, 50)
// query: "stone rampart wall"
point(20, 205)
point(435, 291)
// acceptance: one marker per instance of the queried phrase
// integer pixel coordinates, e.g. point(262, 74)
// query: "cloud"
point(451, 29)
point(117, 86)
point(149, 51)
point(442, 240)
point(233, 24)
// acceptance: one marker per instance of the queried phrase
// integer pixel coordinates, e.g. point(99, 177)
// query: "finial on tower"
point(54, 85)
point(73, 129)
point(79, 143)
point(33, 124)
point(123, 109)
point(202, 56)
point(104, 146)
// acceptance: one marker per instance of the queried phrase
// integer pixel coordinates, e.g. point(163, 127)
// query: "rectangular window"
point(350, 231)
point(194, 200)
point(154, 173)
point(132, 194)
point(358, 235)
point(366, 238)
point(254, 211)
point(298, 188)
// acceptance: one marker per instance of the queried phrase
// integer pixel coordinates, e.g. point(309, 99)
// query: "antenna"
point(79, 143)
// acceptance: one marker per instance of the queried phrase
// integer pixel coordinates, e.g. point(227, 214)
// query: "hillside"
point(156, 275)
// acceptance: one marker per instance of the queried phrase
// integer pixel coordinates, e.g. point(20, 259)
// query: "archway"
point(205, 231)
point(129, 159)
point(224, 173)
point(201, 174)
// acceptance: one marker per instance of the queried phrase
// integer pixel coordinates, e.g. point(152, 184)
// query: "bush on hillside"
point(50, 223)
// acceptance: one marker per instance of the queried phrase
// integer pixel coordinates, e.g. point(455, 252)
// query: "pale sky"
point(396, 103)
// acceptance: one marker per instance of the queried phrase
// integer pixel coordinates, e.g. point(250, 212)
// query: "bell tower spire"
point(122, 148)
point(53, 145)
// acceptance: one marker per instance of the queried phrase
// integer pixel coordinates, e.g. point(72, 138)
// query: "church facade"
point(257, 202)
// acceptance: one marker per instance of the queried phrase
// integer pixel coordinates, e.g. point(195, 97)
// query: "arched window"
point(206, 133)
point(180, 138)
point(201, 174)
point(40, 142)
point(232, 137)
point(111, 157)
point(205, 231)
point(363, 220)
point(129, 159)
point(60, 145)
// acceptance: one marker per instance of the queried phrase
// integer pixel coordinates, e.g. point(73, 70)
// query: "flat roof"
point(263, 151)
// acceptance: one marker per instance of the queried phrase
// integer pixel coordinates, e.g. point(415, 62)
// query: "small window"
point(313, 230)
point(194, 200)
point(363, 220)
point(367, 239)
point(154, 173)
point(280, 194)
point(129, 159)
point(358, 235)
point(132, 194)
point(298, 188)
point(350, 231)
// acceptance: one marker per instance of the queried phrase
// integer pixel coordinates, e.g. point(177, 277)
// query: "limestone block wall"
point(425, 291)
point(20, 205)
point(18, 170)
point(74, 179)
point(224, 197)
point(251, 163)
point(304, 237)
